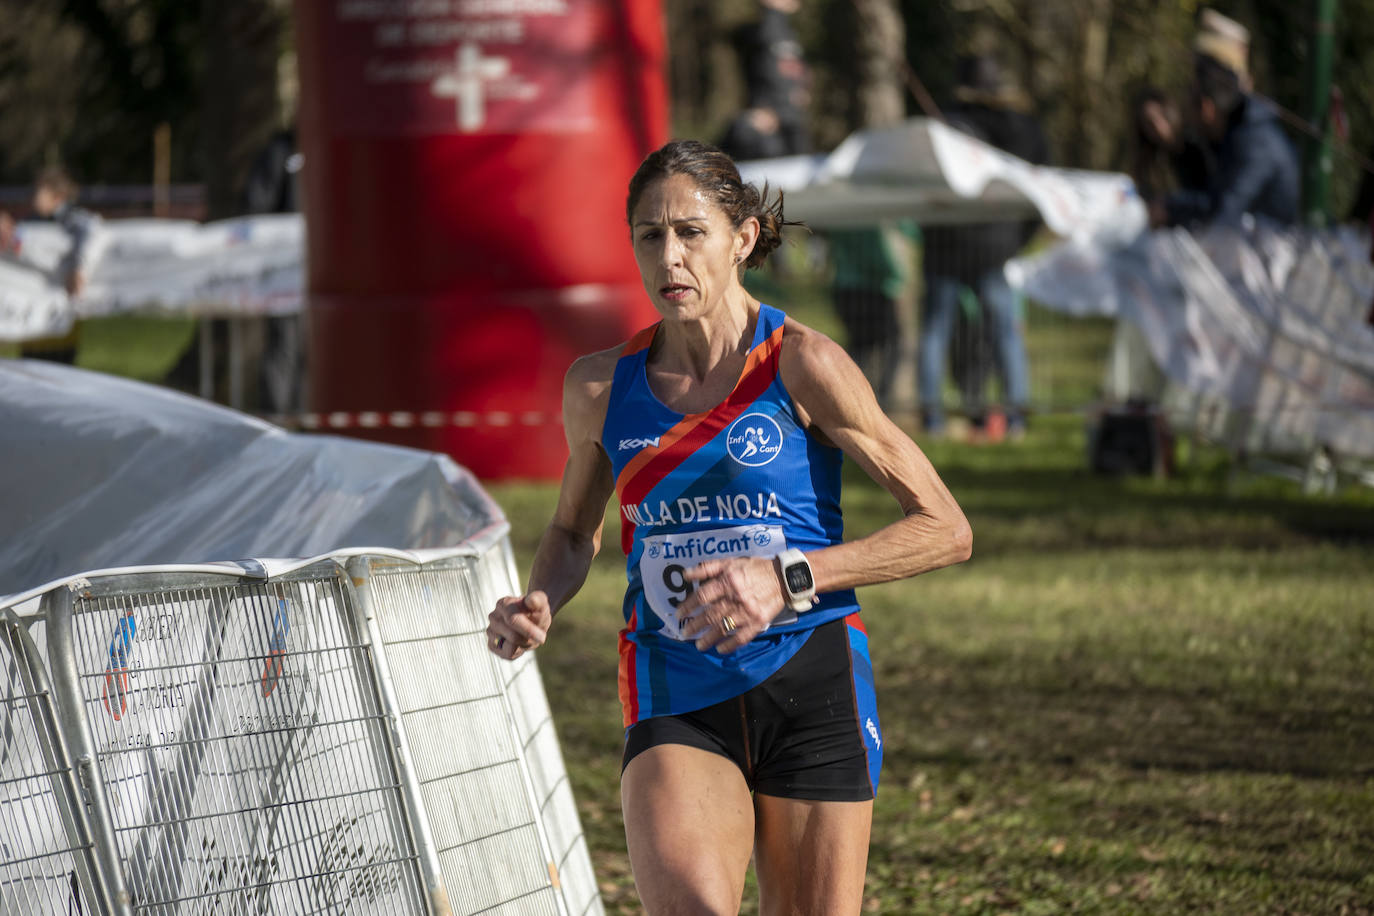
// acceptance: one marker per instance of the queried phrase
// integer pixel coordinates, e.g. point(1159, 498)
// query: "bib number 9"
point(675, 580)
point(665, 559)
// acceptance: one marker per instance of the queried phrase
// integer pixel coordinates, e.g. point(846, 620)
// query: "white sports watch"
point(798, 584)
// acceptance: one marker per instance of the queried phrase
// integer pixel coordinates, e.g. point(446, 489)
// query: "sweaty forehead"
point(677, 197)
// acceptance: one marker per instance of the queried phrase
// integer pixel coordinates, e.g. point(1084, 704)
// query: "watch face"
point(799, 578)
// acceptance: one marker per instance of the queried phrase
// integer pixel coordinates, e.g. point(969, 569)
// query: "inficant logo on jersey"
point(754, 440)
point(646, 442)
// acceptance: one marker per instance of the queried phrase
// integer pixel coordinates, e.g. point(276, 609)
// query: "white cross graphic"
point(466, 84)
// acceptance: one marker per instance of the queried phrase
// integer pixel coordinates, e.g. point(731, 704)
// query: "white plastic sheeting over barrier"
point(101, 472)
point(262, 736)
point(1266, 326)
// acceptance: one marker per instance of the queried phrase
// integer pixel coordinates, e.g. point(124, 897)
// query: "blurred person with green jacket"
point(873, 265)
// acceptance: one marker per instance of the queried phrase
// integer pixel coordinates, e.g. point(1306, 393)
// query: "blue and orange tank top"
point(743, 478)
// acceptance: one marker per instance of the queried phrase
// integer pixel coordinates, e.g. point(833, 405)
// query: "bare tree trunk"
point(243, 41)
point(1096, 30)
point(692, 26)
point(879, 48)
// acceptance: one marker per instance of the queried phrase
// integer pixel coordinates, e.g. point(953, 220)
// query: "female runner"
point(751, 727)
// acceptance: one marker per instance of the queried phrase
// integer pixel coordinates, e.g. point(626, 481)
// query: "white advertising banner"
point(248, 266)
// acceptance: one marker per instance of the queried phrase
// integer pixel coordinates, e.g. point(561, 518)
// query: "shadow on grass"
point(956, 711)
point(1075, 508)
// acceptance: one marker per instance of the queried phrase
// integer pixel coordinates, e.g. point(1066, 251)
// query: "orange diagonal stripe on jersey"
point(651, 465)
point(643, 337)
point(628, 679)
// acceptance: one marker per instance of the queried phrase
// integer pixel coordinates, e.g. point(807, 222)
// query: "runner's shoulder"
point(809, 356)
point(587, 390)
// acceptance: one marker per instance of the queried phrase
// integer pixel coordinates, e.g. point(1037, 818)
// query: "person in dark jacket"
point(1166, 155)
point(972, 257)
point(774, 119)
point(1362, 210)
point(1256, 165)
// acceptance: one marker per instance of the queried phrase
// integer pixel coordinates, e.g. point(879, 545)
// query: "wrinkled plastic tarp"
point(99, 472)
point(1269, 320)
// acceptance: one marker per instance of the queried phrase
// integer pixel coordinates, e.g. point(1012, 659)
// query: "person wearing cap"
point(1227, 41)
point(774, 119)
point(1256, 165)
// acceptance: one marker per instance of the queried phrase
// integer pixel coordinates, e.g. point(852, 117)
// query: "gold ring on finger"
point(727, 624)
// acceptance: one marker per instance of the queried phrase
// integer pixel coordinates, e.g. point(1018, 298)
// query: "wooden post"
point(162, 170)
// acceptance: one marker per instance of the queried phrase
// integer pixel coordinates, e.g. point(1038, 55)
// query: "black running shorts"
point(810, 731)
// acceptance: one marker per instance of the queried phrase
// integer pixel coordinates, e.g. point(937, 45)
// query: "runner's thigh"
point(811, 856)
point(689, 825)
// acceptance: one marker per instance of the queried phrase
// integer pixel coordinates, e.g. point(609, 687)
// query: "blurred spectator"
point(1362, 210)
point(1256, 165)
point(991, 109)
point(1225, 41)
point(276, 342)
point(774, 119)
point(273, 187)
point(755, 133)
point(873, 265)
point(1167, 156)
point(54, 199)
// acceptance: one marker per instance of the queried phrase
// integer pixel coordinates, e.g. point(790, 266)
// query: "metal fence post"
point(501, 669)
point(66, 793)
point(72, 722)
point(1317, 149)
point(359, 571)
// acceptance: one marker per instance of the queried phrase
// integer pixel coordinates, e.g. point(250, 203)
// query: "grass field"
point(1139, 696)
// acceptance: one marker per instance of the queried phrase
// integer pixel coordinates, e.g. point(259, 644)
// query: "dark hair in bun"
point(716, 174)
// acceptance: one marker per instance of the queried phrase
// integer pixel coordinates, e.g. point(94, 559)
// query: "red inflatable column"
point(465, 172)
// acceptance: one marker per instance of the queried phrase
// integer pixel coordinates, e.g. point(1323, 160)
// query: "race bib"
point(666, 558)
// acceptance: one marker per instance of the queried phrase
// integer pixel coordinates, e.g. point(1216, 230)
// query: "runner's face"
point(686, 248)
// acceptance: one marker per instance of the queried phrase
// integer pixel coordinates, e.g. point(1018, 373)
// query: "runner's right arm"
point(573, 537)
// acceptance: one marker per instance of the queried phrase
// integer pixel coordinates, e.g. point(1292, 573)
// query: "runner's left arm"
point(836, 404)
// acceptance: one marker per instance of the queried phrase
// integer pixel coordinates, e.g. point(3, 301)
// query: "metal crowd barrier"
point(282, 737)
point(46, 854)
